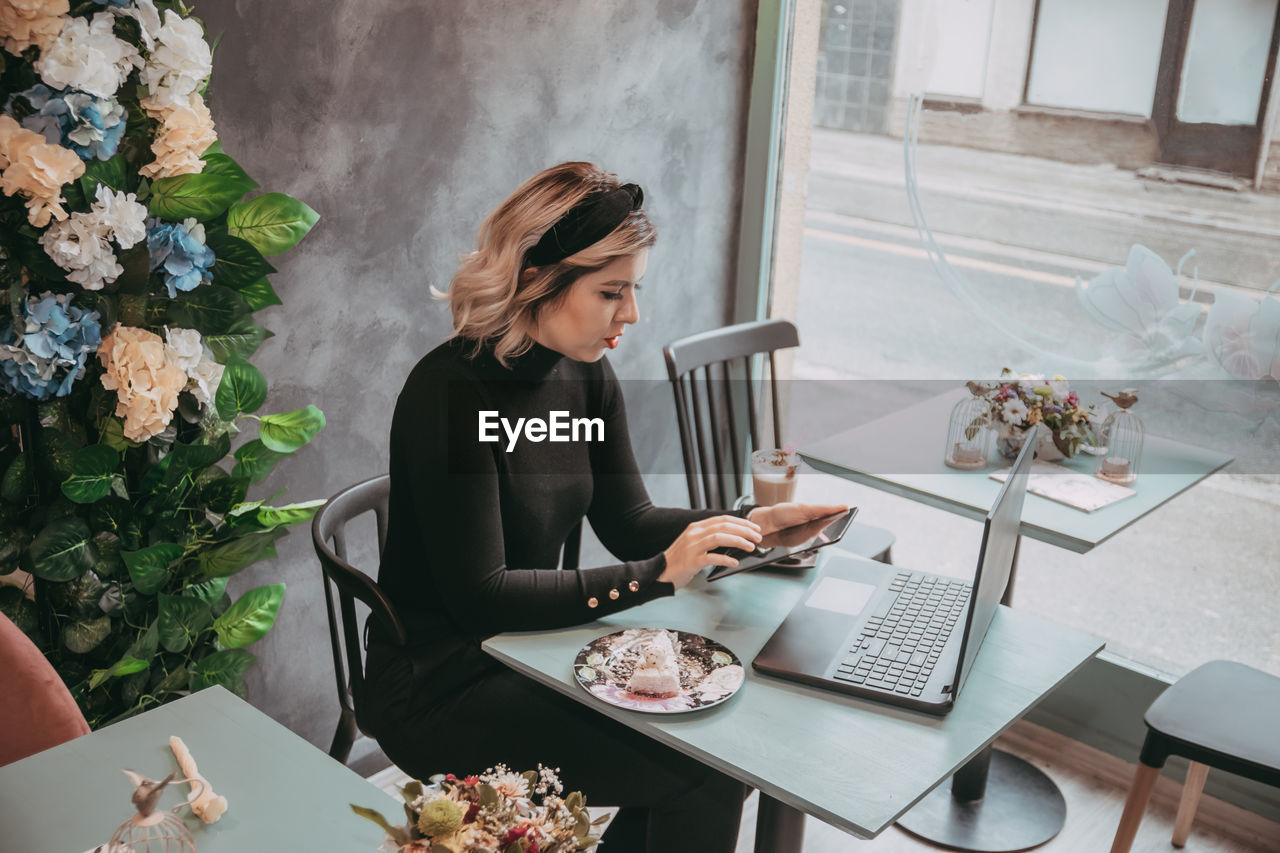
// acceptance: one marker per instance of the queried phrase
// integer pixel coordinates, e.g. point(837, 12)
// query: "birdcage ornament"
point(968, 438)
point(151, 830)
point(1122, 435)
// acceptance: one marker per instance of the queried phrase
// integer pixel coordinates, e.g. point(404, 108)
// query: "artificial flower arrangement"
point(1017, 402)
point(131, 266)
point(499, 811)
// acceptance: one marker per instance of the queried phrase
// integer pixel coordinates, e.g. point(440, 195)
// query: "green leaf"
point(203, 195)
point(238, 264)
point(188, 458)
point(62, 551)
point(255, 461)
point(259, 294)
point(17, 480)
point(273, 222)
point(243, 389)
point(107, 545)
point(146, 646)
point(136, 276)
point(149, 568)
point(208, 591)
point(242, 339)
point(282, 516)
point(488, 796)
point(84, 635)
point(114, 173)
point(395, 833)
point(92, 474)
point(181, 620)
point(287, 432)
point(125, 666)
point(20, 609)
point(249, 619)
point(78, 597)
point(211, 309)
point(226, 560)
point(224, 667)
point(221, 495)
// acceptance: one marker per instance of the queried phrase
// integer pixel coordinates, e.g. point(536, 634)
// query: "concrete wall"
point(403, 122)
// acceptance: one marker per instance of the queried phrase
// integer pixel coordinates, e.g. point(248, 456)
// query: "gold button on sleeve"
point(593, 602)
point(613, 593)
point(634, 586)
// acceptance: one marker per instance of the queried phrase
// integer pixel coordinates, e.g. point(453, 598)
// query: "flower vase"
point(1046, 450)
point(1011, 445)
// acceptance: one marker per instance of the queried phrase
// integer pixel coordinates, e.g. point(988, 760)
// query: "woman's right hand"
point(692, 548)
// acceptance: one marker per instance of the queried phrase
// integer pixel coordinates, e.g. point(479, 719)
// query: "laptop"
point(898, 636)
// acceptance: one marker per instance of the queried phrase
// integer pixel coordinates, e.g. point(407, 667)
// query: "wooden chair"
point(710, 418)
point(1223, 715)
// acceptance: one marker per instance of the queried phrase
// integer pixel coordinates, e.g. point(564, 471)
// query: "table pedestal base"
point(779, 827)
point(1021, 808)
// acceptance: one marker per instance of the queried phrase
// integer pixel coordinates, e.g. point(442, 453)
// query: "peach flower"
point(36, 169)
point(146, 384)
point(27, 22)
point(186, 130)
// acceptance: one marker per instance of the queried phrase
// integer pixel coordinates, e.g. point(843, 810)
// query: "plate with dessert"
point(658, 670)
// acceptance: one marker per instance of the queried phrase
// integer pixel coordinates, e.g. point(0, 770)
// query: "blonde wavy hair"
point(495, 297)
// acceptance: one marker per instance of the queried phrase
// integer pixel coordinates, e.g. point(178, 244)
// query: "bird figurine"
point(146, 792)
point(1125, 399)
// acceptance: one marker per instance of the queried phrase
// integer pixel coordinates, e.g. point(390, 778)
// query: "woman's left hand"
point(778, 516)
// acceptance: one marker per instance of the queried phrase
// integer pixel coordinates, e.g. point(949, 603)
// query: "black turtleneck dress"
point(474, 540)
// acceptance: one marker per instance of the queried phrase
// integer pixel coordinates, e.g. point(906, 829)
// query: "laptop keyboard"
point(898, 649)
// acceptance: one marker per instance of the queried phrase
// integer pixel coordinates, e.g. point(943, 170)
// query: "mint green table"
point(988, 807)
point(283, 794)
point(853, 763)
point(901, 453)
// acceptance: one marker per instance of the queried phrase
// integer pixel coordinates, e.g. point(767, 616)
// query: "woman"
point(480, 510)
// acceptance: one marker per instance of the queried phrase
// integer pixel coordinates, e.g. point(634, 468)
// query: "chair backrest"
point(36, 709)
point(707, 413)
point(329, 535)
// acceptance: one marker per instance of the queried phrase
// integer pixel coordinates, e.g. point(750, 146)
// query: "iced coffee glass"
point(773, 476)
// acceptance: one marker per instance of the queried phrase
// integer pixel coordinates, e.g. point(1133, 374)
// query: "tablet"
point(786, 543)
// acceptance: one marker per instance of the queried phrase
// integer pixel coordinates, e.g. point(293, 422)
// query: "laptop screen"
point(995, 559)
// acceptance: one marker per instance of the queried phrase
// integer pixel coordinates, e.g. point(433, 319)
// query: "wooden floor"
point(1094, 785)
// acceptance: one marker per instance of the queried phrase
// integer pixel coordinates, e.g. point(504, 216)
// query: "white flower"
point(1014, 412)
point(1060, 388)
point(79, 244)
point(122, 215)
point(148, 18)
point(205, 379)
point(183, 348)
point(179, 63)
point(87, 56)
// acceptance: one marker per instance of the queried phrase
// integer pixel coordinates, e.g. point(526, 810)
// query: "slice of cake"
point(658, 673)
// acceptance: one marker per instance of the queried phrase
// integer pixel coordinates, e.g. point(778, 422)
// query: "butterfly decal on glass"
point(1242, 336)
point(1141, 300)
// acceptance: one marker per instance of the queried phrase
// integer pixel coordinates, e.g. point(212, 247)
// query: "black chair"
point(1221, 714)
point(329, 535)
point(710, 416)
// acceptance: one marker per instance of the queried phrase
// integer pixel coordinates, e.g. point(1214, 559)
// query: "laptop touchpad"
point(840, 596)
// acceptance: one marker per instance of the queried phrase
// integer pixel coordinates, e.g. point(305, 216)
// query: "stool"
point(1221, 714)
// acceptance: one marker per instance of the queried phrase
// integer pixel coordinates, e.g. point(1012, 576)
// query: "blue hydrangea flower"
point(47, 358)
point(180, 249)
point(88, 125)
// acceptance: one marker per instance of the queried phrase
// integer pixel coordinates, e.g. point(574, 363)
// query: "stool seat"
point(1222, 714)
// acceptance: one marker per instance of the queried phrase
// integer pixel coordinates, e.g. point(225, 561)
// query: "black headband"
point(587, 223)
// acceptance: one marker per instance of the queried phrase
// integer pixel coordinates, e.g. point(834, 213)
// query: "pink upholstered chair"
point(36, 709)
